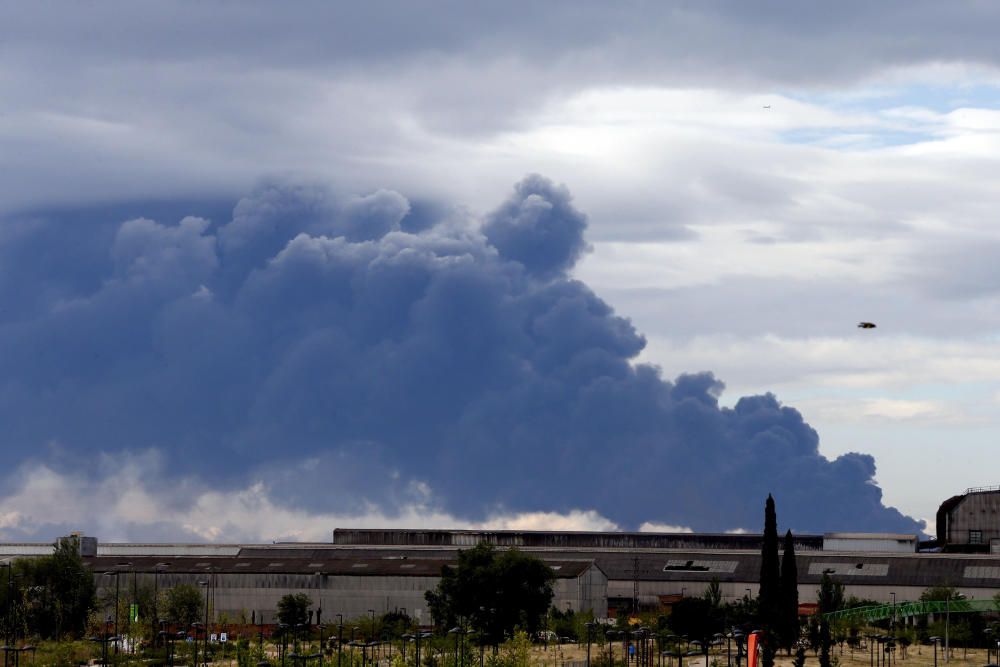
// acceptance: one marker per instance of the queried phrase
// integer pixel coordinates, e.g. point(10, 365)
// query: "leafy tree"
point(495, 591)
point(395, 623)
point(788, 621)
point(698, 619)
point(713, 593)
point(52, 595)
point(293, 609)
point(769, 599)
point(830, 598)
point(184, 604)
point(938, 593)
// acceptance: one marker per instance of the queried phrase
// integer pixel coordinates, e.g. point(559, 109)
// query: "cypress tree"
point(789, 595)
point(769, 600)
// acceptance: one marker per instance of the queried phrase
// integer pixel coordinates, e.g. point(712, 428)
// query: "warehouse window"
point(975, 537)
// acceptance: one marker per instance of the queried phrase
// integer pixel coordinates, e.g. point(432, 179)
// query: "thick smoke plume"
point(353, 353)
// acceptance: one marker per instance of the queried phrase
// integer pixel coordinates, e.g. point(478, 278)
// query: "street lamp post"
point(156, 592)
point(590, 630)
point(114, 574)
point(947, 620)
point(892, 623)
point(935, 641)
point(7, 623)
point(340, 636)
point(205, 656)
point(456, 631)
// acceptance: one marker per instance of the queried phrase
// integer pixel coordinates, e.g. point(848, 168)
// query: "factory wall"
point(236, 595)
point(972, 519)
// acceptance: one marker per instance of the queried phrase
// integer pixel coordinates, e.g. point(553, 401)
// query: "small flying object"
point(767, 106)
point(866, 325)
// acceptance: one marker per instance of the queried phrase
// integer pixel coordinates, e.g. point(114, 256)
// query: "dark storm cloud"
point(723, 38)
point(345, 352)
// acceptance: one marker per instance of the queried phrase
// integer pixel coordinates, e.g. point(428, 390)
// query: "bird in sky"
point(866, 325)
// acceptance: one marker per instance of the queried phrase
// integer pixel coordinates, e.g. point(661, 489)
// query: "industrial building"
point(971, 521)
point(250, 584)
point(390, 570)
point(385, 570)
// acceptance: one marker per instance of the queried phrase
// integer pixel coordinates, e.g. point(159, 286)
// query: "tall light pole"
point(114, 574)
point(892, 623)
point(6, 620)
point(156, 594)
point(590, 631)
point(340, 636)
point(205, 656)
point(947, 619)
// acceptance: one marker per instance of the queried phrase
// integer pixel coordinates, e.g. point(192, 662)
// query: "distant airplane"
point(866, 325)
point(767, 106)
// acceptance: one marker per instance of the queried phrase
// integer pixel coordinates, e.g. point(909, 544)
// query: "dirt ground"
point(917, 656)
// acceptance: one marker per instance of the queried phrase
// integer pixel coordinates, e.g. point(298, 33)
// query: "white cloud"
point(649, 527)
point(122, 506)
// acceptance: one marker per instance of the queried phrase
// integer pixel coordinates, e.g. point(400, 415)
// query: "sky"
point(267, 270)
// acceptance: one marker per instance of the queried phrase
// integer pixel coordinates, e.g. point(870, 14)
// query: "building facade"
point(971, 521)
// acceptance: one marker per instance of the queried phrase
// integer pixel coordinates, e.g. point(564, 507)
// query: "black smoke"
point(344, 349)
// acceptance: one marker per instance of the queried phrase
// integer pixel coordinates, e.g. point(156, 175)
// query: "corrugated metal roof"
point(411, 567)
point(870, 536)
point(903, 569)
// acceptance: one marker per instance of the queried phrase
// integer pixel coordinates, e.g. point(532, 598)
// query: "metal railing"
point(904, 609)
point(981, 489)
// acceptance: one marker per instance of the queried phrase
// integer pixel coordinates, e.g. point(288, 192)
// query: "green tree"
point(52, 595)
point(184, 604)
point(788, 629)
point(769, 598)
point(830, 598)
point(713, 593)
point(293, 609)
point(938, 593)
point(494, 591)
point(697, 619)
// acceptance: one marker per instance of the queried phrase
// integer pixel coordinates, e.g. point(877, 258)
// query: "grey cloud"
point(314, 328)
point(753, 40)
